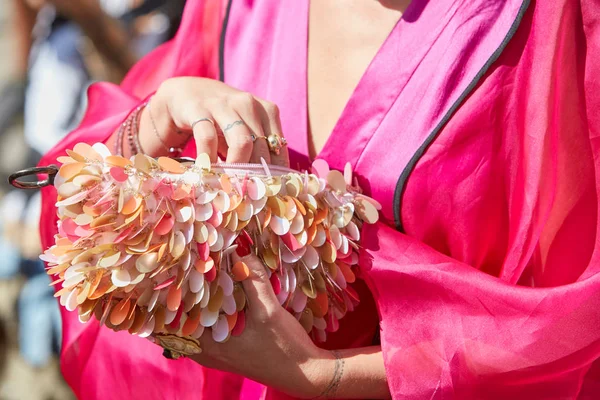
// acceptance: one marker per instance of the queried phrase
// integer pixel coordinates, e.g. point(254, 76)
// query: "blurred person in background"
point(62, 60)
point(12, 92)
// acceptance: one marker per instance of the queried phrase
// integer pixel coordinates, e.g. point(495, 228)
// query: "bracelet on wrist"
point(173, 151)
point(334, 383)
point(129, 129)
point(119, 142)
point(133, 132)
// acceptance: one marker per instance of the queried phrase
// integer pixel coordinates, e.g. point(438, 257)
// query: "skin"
point(274, 349)
point(24, 20)
point(106, 33)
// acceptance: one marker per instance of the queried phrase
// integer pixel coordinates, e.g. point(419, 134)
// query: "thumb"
point(252, 273)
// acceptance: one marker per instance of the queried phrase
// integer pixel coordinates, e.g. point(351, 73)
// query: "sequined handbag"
point(143, 244)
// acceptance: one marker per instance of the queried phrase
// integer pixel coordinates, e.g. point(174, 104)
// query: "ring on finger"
point(282, 141)
point(203, 120)
point(275, 143)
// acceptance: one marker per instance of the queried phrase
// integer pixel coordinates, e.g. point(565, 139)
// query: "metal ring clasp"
point(184, 159)
point(51, 170)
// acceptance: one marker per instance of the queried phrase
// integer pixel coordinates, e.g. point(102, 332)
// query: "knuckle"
point(272, 110)
point(271, 313)
point(171, 85)
point(217, 103)
point(266, 314)
point(260, 273)
point(202, 136)
point(193, 108)
point(243, 99)
point(165, 85)
point(256, 265)
point(241, 146)
point(244, 142)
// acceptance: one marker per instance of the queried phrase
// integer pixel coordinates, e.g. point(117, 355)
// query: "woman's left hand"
point(274, 348)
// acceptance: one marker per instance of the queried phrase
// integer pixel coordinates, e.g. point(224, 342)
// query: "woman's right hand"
point(242, 121)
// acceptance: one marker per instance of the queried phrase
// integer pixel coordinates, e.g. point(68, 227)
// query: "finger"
point(236, 133)
point(269, 113)
point(257, 286)
point(205, 136)
point(197, 118)
point(247, 107)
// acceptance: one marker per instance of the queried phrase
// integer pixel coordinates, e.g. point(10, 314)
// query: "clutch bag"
point(143, 244)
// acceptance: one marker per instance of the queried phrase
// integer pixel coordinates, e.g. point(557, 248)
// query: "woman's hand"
point(242, 122)
point(273, 349)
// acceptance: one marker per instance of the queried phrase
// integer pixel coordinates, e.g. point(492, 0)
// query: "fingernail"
point(243, 246)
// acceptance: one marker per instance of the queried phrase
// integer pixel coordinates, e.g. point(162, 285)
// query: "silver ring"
point(253, 137)
point(202, 120)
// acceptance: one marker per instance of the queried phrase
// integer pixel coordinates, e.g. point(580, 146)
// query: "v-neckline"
point(345, 117)
point(379, 87)
point(397, 108)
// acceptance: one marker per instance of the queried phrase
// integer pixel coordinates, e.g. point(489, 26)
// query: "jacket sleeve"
point(448, 329)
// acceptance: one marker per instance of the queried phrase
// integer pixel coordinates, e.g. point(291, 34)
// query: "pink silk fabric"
point(492, 288)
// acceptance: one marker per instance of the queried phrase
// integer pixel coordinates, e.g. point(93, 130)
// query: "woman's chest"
point(343, 38)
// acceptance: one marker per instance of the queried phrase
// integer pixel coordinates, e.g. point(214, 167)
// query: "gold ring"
point(275, 143)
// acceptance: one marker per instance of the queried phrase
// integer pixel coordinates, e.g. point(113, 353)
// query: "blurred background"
point(50, 52)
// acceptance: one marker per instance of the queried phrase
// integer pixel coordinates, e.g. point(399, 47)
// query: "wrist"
point(319, 372)
point(157, 132)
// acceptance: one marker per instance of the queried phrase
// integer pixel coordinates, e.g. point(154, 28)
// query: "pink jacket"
point(475, 127)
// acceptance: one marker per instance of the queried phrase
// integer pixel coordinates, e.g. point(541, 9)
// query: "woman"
point(472, 122)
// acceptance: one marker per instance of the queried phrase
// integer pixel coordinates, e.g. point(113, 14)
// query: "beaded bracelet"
point(119, 142)
point(133, 130)
point(129, 128)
